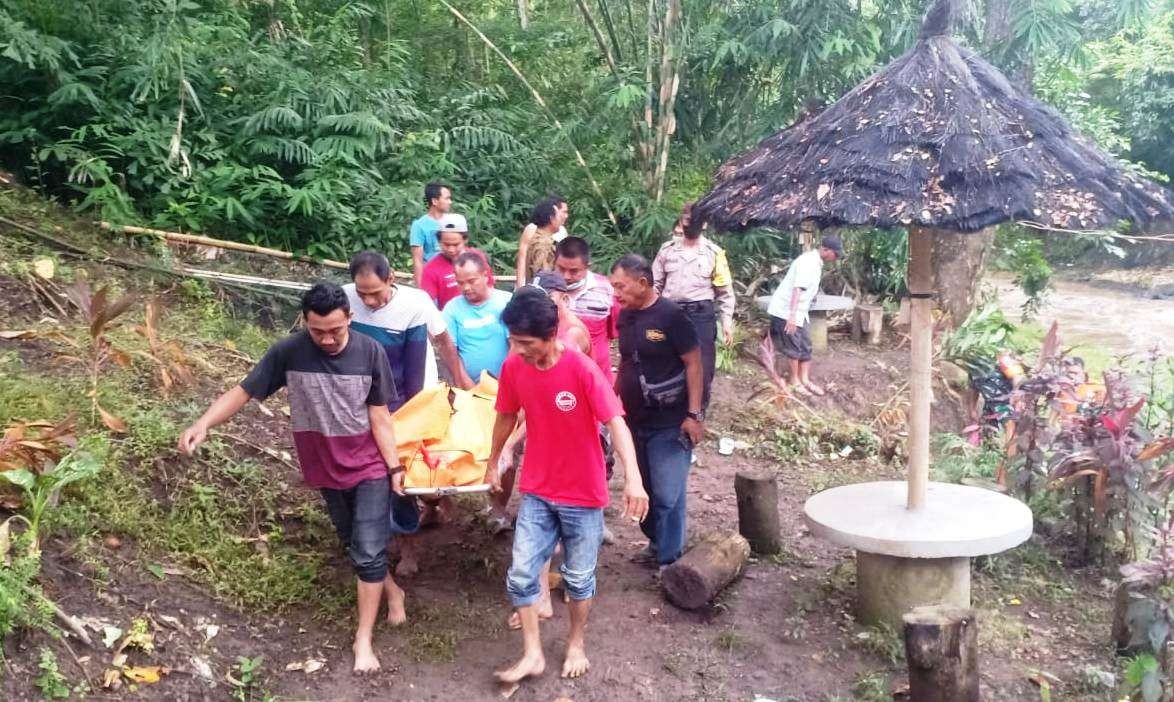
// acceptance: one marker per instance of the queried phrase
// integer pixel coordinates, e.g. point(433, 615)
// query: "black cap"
point(551, 281)
point(833, 243)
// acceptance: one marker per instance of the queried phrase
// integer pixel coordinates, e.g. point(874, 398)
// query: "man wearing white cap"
point(438, 278)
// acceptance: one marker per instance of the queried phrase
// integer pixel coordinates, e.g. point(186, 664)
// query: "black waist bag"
point(665, 394)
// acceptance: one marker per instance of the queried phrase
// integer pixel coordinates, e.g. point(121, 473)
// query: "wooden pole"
point(219, 243)
point(941, 646)
point(247, 248)
point(920, 282)
point(758, 510)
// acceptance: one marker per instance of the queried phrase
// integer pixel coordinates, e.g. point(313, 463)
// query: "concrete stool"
point(910, 558)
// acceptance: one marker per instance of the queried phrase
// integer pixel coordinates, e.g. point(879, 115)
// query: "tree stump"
point(758, 510)
point(1132, 617)
point(941, 647)
point(868, 323)
point(699, 575)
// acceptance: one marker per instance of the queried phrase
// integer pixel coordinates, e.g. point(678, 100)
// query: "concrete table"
point(907, 558)
point(818, 315)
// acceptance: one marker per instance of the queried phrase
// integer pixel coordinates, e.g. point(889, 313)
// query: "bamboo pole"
point(920, 282)
point(247, 248)
point(219, 243)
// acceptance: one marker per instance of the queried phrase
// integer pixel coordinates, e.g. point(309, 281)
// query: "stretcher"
point(444, 436)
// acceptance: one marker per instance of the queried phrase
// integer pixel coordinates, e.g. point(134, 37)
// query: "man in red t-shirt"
point(439, 277)
point(564, 484)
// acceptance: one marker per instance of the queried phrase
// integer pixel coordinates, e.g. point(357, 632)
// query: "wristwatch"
point(698, 416)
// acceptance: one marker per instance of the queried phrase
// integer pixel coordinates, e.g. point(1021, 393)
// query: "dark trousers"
point(362, 519)
point(663, 455)
point(705, 322)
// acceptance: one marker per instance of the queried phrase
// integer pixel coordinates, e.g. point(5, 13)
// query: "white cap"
point(453, 223)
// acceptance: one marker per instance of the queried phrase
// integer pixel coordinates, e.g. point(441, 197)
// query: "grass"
point(882, 641)
point(730, 640)
point(872, 687)
point(238, 524)
point(434, 630)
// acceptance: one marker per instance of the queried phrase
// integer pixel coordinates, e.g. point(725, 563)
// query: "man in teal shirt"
point(422, 235)
point(474, 318)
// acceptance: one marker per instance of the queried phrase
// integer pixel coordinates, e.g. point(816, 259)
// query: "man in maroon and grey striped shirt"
point(339, 387)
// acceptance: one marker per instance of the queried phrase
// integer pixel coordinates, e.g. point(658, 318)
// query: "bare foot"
point(365, 660)
point(528, 666)
point(396, 614)
point(576, 663)
point(799, 389)
point(545, 611)
point(814, 389)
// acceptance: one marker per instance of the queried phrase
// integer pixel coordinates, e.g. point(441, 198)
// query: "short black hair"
point(531, 313)
point(574, 247)
point(324, 298)
point(634, 265)
point(543, 212)
point(370, 262)
point(464, 234)
point(471, 257)
point(432, 191)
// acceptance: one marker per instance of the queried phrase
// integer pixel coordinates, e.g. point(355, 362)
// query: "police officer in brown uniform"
point(692, 271)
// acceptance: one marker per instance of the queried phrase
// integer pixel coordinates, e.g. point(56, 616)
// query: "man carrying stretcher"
point(563, 478)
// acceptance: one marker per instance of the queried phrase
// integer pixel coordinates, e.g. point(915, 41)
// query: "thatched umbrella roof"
point(937, 138)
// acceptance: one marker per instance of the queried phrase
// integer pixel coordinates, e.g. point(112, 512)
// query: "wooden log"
point(758, 510)
point(699, 575)
point(941, 647)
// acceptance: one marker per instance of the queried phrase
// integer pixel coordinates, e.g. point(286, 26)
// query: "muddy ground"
point(784, 631)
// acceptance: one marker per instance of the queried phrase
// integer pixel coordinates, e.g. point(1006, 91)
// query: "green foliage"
point(1143, 677)
point(1022, 254)
point(42, 488)
point(51, 682)
point(876, 261)
point(247, 679)
point(22, 604)
point(956, 459)
point(977, 342)
point(311, 125)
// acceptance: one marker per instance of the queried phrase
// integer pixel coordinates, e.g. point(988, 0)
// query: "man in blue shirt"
point(422, 235)
point(474, 318)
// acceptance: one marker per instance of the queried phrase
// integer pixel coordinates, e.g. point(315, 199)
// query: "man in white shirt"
point(789, 308)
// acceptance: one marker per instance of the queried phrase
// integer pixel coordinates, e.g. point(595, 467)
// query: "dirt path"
point(1119, 317)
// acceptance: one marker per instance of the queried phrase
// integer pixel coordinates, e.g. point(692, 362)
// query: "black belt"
point(705, 305)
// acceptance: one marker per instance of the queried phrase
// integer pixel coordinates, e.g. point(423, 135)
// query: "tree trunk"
point(699, 575)
point(524, 14)
point(941, 646)
point(959, 261)
point(758, 510)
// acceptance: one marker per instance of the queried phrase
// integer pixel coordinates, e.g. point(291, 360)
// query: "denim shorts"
point(541, 524)
point(360, 517)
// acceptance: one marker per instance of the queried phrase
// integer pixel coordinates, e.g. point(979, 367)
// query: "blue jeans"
point(360, 517)
point(663, 454)
point(540, 525)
